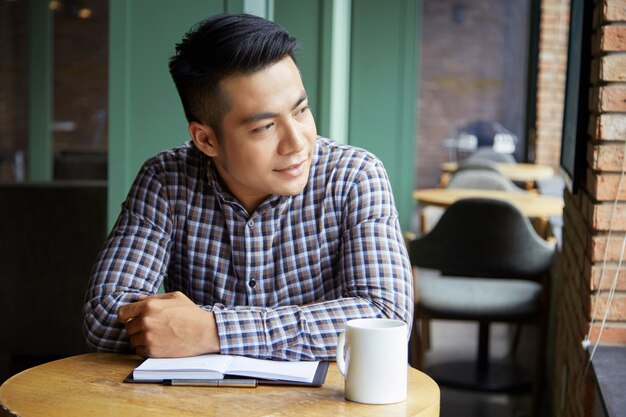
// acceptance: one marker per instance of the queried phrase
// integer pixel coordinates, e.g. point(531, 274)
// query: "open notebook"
point(215, 366)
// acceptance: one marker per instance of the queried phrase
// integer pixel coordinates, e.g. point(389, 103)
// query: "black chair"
point(50, 235)
point(494, 268)
point(471, 178)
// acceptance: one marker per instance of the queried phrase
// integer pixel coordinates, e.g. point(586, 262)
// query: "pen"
point(233, 383)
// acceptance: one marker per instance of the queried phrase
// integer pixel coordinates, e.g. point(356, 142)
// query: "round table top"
point(531, 204)
point(91, 385)
point(516, 172)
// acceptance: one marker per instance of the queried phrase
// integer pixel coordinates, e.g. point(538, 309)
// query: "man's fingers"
point(133, 326)
point(163, 296)
point(128, 312)
point(131, 310)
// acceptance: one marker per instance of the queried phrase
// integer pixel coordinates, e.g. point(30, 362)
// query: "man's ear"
point(204, 138)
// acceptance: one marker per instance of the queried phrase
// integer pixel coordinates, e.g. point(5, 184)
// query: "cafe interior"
point(501, 124)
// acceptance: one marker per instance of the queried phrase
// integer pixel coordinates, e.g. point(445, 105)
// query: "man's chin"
point(293, 189)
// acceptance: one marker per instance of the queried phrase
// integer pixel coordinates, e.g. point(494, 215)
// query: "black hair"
point(219, 47)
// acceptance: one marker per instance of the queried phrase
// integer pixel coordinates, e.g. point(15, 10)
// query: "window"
point(473, 71)
point(79, 88)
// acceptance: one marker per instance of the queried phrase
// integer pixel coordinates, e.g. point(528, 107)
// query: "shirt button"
point(251, 224)
point(252, 283)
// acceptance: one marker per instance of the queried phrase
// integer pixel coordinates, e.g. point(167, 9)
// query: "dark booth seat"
point(50, 234)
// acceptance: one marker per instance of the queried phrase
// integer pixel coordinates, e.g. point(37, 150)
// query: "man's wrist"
point(212, 334)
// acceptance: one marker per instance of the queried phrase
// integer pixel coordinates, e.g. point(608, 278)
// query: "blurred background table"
point(531, 204)
point(91, 385)
point(518, 172)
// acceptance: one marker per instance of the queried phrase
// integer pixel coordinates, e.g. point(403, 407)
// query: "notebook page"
point(171, 368)
point(269, 369)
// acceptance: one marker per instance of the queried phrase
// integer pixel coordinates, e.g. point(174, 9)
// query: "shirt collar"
point(225, 197)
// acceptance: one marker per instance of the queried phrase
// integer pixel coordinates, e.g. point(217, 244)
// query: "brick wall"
point(552, 61)
point(594, 227)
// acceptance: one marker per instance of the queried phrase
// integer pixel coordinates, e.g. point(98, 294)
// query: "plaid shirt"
point(282, 281)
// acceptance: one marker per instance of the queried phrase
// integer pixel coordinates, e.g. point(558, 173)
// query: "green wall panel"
point(383, 89)
point(145, 112)
point(322, 28)
point(303, 20)
point(40, 91)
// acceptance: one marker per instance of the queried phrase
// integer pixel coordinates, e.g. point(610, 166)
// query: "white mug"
point(374, 361)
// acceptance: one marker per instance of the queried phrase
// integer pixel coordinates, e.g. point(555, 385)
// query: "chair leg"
point(481, 374)
point(426, 333)
point(517, 332)
point(542, 328)
point(482, 362)
point(416, 347)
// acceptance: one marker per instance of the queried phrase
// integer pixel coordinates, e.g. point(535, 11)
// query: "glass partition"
point(79, 80)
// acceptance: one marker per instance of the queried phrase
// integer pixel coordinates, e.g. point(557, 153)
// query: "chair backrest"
point(483, 238)
point(50, 235)
point(478, 165)
point(482, 180)
point(490, 154)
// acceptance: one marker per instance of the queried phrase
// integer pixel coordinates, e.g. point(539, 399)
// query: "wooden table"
point(91, 385)
point(516, 172)
point(531, 204)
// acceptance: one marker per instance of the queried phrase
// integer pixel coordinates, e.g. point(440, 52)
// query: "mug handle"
point(341, 363)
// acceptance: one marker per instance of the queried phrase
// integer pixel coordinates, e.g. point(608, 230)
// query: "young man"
point(267, 238)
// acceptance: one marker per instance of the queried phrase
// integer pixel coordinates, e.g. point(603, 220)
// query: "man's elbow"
point(101, 338)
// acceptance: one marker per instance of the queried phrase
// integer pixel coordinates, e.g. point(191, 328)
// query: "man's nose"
point(292, 139)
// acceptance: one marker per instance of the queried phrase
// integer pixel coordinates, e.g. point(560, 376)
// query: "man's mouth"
point(293, 170)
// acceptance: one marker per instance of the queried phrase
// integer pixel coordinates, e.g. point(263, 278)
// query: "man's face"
point(268, 134)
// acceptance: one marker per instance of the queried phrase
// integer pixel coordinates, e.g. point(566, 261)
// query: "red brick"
point(612, 68)
point(598, 247)
point(603, 276)
point(604, 186)
point(610, 98)
point(607, 157)
point(609, 216)
point(613, 333)
point(608, 126)
point(616, 309)
point(614, 11)
point(613, 38)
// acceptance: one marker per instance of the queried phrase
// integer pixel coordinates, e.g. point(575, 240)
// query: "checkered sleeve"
point(133, 261)
point(288, 333)
point(375, 259)
point(374, 274)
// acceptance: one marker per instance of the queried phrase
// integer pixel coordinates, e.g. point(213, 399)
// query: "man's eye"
point(263, 128)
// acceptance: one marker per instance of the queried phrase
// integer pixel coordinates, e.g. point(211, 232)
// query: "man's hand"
point(169, 325)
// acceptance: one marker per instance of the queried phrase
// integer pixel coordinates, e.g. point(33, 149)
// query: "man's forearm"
point(295, 332)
